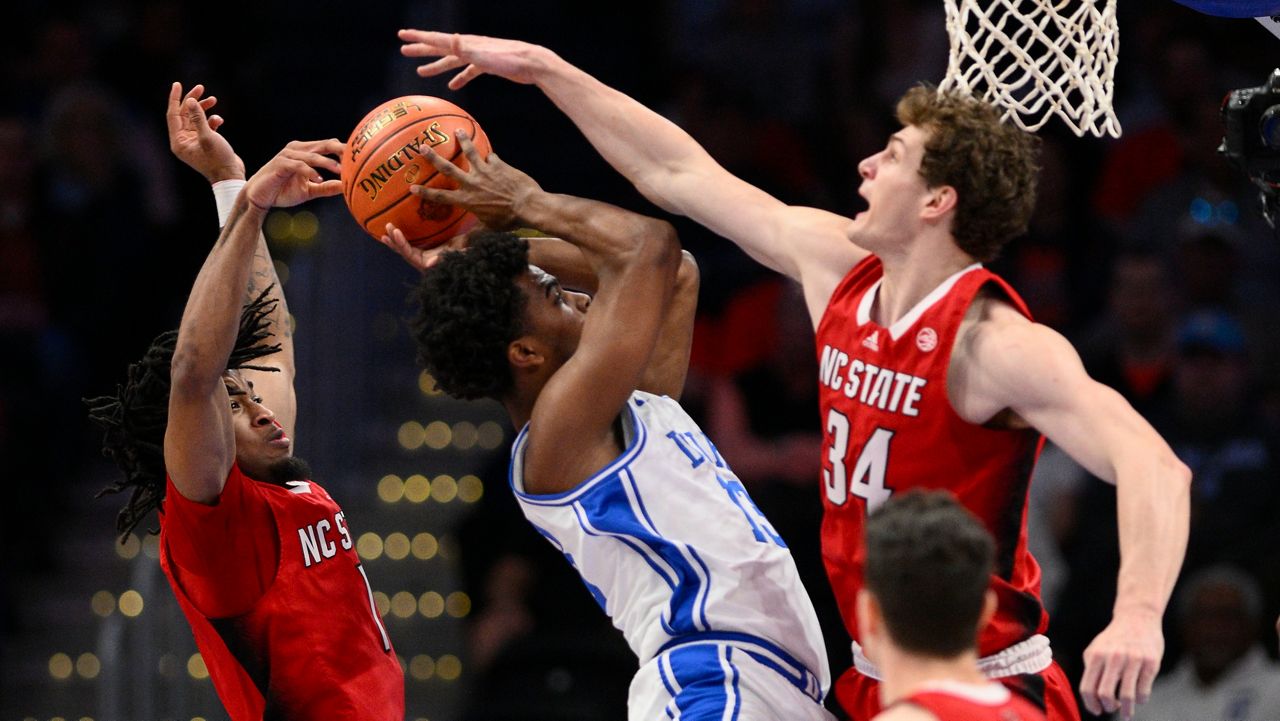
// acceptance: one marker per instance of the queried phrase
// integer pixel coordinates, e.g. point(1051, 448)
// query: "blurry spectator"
point(771, 38)
point(1055, 267)
point(97, 240)
point(22, 304)
point(1210, 277)
point(1226, 675)
point(1132, 348)
point(1216, 430)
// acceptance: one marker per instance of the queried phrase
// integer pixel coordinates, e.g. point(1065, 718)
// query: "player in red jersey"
point(925, 597)
point(933, 373)
point(260, 557)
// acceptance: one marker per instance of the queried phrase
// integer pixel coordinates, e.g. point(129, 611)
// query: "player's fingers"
point(1089, 683)
point(316, 160)
point(432, 195)
point(1129, 687)
point(215, 122)
point(442, 65)
point(209, 102)
point(195, 92)
point(195, 115)
point(1110, 681)
point(326, 189)
point(461, 79)
point(311, 153)
point(385, 238)
point(469, 149)
point(447, 168)
point(1147, 677)
point(286, 166)
point(328, 146)
point(395, 240)
point(423, 38)
point(173, 114)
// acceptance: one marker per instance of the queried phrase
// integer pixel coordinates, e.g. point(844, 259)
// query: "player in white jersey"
point(608, 466)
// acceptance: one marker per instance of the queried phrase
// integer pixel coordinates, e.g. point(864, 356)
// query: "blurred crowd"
point(1148, 252)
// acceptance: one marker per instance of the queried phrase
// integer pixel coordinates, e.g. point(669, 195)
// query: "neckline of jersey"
point(903, 324)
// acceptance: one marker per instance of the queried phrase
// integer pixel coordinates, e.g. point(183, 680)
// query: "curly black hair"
point(470, 310)
point(133, 419)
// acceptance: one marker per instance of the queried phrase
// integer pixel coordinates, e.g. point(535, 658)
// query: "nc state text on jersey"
point(869, 384)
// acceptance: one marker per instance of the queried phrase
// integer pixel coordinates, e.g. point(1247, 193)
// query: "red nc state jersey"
point(313, 647)
point(889, 426)
point(966, 702)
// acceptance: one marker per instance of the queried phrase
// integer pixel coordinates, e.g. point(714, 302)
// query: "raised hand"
point(491, 189)
point(195, 139)
point(293, 177)
point(511, 59)
point(1121, 664)
point(420, 258)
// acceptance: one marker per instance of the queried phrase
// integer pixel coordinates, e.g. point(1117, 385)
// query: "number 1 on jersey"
point(868, 470)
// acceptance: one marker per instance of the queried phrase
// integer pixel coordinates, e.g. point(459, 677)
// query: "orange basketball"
point(383, 158)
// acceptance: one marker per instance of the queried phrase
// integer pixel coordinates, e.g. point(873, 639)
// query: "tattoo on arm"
point(262, 275)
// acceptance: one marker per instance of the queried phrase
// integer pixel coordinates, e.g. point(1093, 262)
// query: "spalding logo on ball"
point(384, 156)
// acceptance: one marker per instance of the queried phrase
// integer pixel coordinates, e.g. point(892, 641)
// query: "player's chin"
point(856, 228)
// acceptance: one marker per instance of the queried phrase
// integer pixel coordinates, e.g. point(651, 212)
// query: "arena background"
point(102, 232)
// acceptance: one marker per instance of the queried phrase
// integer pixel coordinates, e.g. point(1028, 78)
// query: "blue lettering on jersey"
point(760, 526)
point(698, 448)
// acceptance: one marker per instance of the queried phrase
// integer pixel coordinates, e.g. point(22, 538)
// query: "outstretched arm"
point(199, 443)
point(1034, 371)
point(635, 260)
point(195, 140)
point(670, 362)
point(661, 160)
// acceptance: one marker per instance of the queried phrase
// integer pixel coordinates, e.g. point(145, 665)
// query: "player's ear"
point(942, 200)
point(869, 618)
point(988, 609)
point(525, 353)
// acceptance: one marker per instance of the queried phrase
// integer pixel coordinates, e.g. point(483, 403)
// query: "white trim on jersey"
point(985, 694)
point(903, 324)
point(515, 474)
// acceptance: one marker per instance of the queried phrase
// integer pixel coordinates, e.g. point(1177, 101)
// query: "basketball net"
point(1036, 59)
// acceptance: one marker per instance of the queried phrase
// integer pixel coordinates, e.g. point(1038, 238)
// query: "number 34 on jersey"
point(868, 476)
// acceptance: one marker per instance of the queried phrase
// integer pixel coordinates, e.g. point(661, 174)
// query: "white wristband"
point(225, 193)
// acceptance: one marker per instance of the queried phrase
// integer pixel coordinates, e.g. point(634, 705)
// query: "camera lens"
point(1269, 127)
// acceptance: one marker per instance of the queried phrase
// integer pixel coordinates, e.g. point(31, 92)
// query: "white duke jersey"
point(674, 550)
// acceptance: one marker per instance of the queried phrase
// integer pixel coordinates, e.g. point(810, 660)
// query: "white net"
point(1037, 58)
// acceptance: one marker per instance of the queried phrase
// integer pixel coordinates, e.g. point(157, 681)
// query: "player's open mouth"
point(279, 439)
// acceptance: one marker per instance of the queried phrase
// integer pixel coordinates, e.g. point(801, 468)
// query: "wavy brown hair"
point(992, 165)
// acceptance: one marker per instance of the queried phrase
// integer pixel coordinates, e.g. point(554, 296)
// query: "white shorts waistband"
point(1030, 656)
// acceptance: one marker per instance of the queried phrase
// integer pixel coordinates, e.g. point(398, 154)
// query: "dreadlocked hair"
point(133, 420)
point(471, 309)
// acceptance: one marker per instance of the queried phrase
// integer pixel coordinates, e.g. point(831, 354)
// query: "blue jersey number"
point(699, 449)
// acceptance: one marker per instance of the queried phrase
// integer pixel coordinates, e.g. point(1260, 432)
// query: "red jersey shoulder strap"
point(867, 271)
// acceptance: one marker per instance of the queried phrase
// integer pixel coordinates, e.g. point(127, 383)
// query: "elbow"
point(1178, 473)
point(659, 245)
point(688, 277)
point(189, 374)
point(650, 185)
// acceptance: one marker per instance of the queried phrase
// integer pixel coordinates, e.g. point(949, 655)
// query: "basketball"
point(384, 156)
